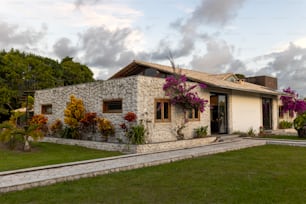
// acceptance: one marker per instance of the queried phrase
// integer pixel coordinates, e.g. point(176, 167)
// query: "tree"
point(11, 133)
point(75, 73)
point(20, 72)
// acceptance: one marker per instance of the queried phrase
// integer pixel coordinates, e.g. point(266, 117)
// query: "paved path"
point(40, 176)
point(27, 178)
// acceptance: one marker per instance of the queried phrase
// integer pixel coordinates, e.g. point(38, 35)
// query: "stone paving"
point(27, 178)
point(40, 176)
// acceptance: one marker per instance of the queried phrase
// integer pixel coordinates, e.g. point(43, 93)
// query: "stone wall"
point(146, 148)
point(92, 95)
point(138, 94)
point(149, 89)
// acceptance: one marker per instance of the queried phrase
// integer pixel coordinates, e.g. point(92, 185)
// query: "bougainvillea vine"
point(181, 94)
point(291, 102)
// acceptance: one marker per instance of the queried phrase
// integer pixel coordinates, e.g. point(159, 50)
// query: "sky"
point(250, 37)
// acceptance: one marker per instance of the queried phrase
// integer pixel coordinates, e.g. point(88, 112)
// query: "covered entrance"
point(218, 113)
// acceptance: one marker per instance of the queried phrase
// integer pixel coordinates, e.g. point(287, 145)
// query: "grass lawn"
point(44, 153)
point(285, 137)
point(266, 174)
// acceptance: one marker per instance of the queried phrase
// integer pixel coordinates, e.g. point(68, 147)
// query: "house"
point(234, 104)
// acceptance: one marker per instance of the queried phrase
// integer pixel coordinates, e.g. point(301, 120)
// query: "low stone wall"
point(145, 148)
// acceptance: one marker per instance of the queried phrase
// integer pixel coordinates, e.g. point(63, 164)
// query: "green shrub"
point(251, 132)
point(299, 124)
point(136, 134)
point(285, 124)
point(71, 133)
point(201, 131)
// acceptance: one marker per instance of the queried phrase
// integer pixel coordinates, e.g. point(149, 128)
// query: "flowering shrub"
point(183, 95)
point(88, 123)
point(74, 112)
point(291, 102)
point(56, 127)
point(178, 91)
point(40, 121)
point(130, 117)
point(105, 127)
point(134, 132)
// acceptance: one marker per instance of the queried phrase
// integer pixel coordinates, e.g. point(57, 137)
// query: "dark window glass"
point(166, 110)
point(46, 109)
point(196, 113)
point(158, 111)
point(113, 106)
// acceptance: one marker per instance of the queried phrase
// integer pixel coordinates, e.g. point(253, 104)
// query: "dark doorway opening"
point(218, 113)
point(267, 113)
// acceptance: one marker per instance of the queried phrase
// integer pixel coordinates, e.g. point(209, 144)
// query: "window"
point(162, 110)
point(112, 106)
point(280, 112)
point(193, 114)
point(46, 109)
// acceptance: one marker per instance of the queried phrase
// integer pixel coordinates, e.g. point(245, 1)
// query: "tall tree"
point(75, 73)
point(20, 72)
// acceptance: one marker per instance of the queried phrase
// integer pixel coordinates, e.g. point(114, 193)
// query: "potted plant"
point(201, 132)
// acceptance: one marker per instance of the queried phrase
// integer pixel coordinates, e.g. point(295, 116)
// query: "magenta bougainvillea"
point(291, 102)
point(181, 94)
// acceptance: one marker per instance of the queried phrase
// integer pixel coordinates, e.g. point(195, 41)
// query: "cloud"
point(14, 36)
point(105, 48)
point(215, 12)
point(79, 3)
point(218, 57)
point(289, 66)
point(209, 12)
point(63, 48)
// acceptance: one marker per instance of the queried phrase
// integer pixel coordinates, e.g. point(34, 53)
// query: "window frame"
point(105, 108)
point(193, 118)
point(162, 101)
point(44, 108)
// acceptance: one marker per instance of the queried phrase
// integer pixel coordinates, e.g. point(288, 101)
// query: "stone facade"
point(138, 94)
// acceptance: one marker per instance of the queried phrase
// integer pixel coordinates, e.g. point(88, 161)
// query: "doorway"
point(218, 113)
point(267, 113)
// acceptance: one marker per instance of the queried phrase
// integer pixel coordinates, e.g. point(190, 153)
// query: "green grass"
point(48, 153)
point(266, 174)
point(285, 137)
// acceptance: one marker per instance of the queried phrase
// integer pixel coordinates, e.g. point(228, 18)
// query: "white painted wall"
point(246, 112)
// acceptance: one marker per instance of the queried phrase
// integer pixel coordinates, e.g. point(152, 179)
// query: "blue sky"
point(252, 37)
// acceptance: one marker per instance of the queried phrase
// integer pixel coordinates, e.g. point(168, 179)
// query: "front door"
point(267, 113)
point(218, 113)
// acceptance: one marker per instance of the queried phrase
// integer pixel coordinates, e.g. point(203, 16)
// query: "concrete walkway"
point(40, 176)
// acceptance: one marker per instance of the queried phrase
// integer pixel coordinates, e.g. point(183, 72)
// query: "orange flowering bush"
point(74, 112)
point(88, 123)
point(105, 127)
point(56, 127)
point(40, 121)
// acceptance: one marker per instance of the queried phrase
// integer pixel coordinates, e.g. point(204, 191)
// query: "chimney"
point(267, 81)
